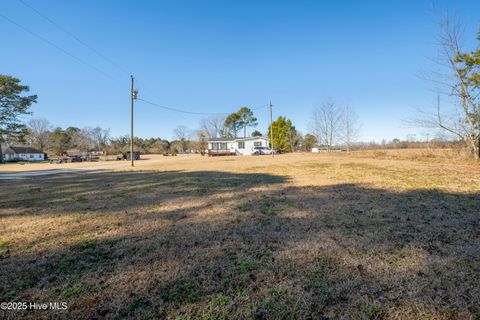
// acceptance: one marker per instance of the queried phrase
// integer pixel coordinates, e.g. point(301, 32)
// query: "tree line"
point(330, 124)
point(39, 133)
point(57, 141)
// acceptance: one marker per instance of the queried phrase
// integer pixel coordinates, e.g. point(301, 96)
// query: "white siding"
point(25, 157)
point(240, 146)
point(250, 144)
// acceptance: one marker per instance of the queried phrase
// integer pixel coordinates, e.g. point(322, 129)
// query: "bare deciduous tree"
point(182, 133)
point(350, 127)
point(458, 79)
point(326, 123)
point(99, 138)
point(213, 127)
point(202, 142)
point(38, 132)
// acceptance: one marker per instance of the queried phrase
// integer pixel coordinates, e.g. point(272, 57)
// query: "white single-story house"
point(23, 154)
point(235, 146)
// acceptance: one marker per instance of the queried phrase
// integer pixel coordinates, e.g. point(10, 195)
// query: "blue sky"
point(215, 56)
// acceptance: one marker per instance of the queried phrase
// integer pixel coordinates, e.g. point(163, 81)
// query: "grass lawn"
point(389, 235)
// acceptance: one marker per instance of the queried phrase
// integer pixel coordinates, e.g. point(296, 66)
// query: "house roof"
point(24, 150)
point(235, 139)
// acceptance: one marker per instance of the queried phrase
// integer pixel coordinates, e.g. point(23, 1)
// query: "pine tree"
point(283, 133)
point(12, 106)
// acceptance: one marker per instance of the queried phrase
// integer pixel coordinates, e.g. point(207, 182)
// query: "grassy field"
point(375, 235)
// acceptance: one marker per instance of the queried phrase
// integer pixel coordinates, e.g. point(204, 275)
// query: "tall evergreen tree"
point(60, 141)
point(309, 141)
point(467, 88)
point(233, 123)
point(256, 133)
point(13, 104)
point(283, 133)
point(246, 119)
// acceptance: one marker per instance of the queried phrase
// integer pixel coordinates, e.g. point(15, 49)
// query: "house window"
point(257, 143)
point(241, 144)
point(31, 156)
point(219, 146)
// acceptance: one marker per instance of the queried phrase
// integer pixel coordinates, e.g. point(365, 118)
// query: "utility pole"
point(271, 130)
point(133, 96)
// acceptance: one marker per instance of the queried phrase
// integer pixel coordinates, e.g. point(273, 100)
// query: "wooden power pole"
point(271, 131)
point(132, 98)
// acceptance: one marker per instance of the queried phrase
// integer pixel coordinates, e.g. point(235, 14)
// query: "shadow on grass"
point(248, 246)
point(111, 191)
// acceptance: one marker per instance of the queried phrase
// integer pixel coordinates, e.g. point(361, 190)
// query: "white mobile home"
point(236, 146)
point(318, 149)
point(23, 154)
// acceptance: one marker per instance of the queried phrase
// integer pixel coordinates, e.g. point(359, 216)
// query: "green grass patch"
point(73, 291)
point(10, 294)
point(181, 291)
point(276, 305)
point(376, 312)
point(138, 306)
point(246, 264)
point(85, 245)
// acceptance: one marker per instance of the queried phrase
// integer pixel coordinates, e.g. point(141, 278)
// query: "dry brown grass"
point(299, 236)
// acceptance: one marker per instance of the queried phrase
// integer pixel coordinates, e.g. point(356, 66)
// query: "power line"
point(97, 53)
point(179, 110)
point(104, 73)
point(75, 37)
point(191, 112)
point(58, 47)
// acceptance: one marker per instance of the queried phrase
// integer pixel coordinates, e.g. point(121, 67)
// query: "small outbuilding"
point(22, 154)
point(323, 148)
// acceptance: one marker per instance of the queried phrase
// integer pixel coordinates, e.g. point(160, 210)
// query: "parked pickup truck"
point(262, 150)
point(136, 155)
